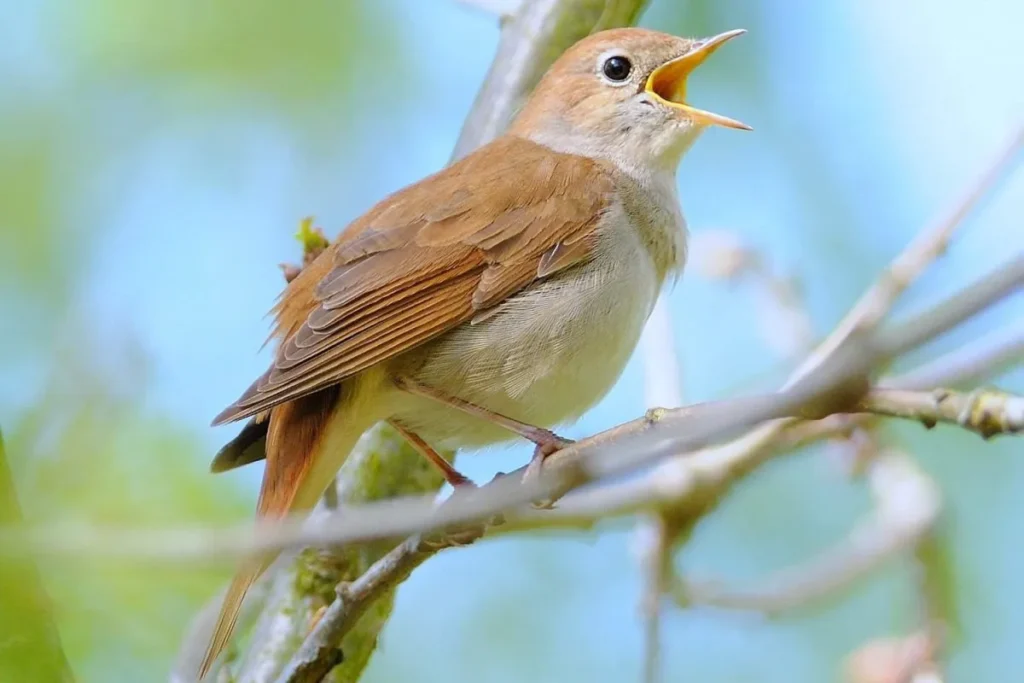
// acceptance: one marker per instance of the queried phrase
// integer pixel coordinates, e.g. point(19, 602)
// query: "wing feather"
point(431, 257)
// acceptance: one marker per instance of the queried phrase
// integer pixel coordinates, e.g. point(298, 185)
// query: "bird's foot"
point(547, 444)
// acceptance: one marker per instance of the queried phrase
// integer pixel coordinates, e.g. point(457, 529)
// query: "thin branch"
point(617, 451)
point(783, 319)
point(1000, 283)
point(655, 538)
point(304, 587)
point(986, 411)
point(674, 480)
point(662, 382)
point(745, 454)
point(908, 659)
point(313, 659)
point(580, 509)
point(968, 365)
point(907, 504)
point(872, 307)
point(681, 429)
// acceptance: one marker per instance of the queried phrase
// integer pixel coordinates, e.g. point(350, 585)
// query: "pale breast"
point(547, 354)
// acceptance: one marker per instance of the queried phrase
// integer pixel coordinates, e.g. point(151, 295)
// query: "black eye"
point(617, 68)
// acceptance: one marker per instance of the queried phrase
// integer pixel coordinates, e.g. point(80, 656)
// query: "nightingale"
point(496, 298)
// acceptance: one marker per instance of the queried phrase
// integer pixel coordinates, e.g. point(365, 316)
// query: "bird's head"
point(621, 95)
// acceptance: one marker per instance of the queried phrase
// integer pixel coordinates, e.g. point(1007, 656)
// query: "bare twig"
point(314, 658)
point(662, 384)
point(303, 588)
point(655, 537)
point(677, 431)
point(653, 532)
point(907, 503)
point(968, 365)
point(619, 450)
point(784, 322)
point(1000, 283)
point(872, 307)
point(580, 509)
point(987, 412)
point(907, 659)
point(972, 363)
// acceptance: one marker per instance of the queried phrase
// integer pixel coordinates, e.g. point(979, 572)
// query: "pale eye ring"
point(617, 68)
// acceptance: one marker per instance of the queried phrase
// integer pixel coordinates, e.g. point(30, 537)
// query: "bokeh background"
point(156, 158)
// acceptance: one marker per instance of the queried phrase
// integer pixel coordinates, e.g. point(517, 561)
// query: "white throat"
point(653, 203)
point(646, 160)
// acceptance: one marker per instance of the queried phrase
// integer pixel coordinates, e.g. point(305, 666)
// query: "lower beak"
point(668, 82)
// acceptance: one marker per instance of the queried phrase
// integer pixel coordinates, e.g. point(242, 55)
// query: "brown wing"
point(427, 259)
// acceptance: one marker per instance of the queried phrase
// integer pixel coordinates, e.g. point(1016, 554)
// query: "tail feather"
point(249, 446)
point(302, 458)
point(228, 616)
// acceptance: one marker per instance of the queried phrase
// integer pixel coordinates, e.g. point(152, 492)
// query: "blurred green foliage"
point(286, 56)
point(96, 456)
point(81, 441)
point(98, 81)
point(30, 646)
point(30, 142)
point(191, 60)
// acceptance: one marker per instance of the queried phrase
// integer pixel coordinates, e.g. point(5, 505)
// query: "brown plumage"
point(419, 263)
point(294, 429)
point(427, 259)
point(508, 290)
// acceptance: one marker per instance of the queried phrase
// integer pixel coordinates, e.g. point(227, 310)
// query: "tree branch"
point(976, 362)
point(659, 437)
point(313, 659)
point(985, 411)
point(378, 468)
point(930, 243)
point(907, 504)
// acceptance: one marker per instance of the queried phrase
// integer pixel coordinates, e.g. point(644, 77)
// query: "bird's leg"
point(450, 474)
point(546, 441)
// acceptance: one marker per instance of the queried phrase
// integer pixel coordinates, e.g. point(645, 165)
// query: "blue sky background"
point(152, 184)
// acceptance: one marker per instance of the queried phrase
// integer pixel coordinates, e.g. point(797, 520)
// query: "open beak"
point(668, 81)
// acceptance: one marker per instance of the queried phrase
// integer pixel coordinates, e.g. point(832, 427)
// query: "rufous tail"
point(295, 478)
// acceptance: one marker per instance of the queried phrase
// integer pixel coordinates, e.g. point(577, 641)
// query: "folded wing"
point(427, 259)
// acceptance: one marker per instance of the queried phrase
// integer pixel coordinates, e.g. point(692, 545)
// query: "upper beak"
point(668, 81)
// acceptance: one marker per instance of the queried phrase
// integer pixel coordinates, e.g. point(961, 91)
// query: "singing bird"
point(498, 297)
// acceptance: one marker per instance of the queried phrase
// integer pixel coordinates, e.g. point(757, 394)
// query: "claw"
point(541, 452)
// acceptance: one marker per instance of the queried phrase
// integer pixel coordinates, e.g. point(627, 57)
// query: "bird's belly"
point(544, 358)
